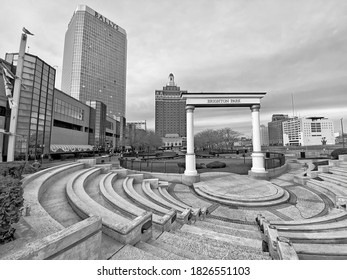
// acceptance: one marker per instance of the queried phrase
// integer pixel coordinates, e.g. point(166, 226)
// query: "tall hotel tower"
point(95, 60)
point(170, 110)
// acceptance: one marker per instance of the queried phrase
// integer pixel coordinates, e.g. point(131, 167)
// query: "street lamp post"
point(343, 138)
point(16, 96)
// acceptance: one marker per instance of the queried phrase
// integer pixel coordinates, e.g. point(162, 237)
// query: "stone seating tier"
point(145, 203)
point(339, 180)
point(183, 214)
point(197, 212)
point(338, 190)
point(106, 189)
point(34, 187)
point(114, 225)
point(240, 203)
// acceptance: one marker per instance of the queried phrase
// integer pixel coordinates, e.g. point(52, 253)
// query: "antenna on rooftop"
point(293, 104)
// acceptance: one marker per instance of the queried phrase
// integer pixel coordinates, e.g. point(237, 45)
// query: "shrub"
point(341, 151)
point(11, 203)
point(13, 169)
point(67, 156)
point(216, 164)
point(319, 163)
point(197, 165)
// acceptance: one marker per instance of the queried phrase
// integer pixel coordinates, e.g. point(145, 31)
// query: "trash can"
point(302, 154)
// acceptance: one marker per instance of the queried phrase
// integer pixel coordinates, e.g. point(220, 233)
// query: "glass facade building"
point(99, 116)
point(95, 59)
point(35, 106)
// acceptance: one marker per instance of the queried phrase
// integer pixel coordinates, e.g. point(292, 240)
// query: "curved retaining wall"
point(34, 186)
point(118, 227)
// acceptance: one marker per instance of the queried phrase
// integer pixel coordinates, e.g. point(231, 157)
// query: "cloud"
point(277, 46)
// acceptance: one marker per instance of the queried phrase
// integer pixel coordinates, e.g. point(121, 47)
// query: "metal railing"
point(274, 160)
point(151, 166)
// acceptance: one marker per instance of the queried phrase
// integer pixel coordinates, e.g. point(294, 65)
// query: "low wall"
point(274, 172)
point(81, 241)
point(170, 177)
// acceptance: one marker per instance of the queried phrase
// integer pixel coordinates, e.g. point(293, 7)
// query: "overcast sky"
point(285, 48)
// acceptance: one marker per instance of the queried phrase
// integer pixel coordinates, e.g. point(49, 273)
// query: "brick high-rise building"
point(170, 114)
point(95, 60)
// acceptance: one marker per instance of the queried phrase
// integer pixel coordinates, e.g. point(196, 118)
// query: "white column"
point(257, 155)
point(190, 156)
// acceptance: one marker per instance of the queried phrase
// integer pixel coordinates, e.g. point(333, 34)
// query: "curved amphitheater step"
point(134, 191)
point(108, 192)
point(241, 191)
point(93, 190)
point(120, 228)
point(321, 251)
point(187, 196)
point(336, 189)
point(322, 188)
point(339, 180)
point(54, 201)
point(339, 171)
point(184, 214)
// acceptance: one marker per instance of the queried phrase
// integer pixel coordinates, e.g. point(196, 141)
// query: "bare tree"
point(141, 139)
point(216, 139)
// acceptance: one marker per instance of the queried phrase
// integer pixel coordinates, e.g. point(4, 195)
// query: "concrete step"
point(321, 251)
point(177, 251)
point(254, 243)
point(159, 252)
point(339, 171)
point(109, 247)
point(335, 188)
point(127, 207)
point(54, 201)
point(210, 248)
point(259, 203)
point(230, 224)
point(134, 192)
point(92, 189)
point(184, 194)
point(313, 184)
point(228, 230)
point(129, 252)
point(340, 180)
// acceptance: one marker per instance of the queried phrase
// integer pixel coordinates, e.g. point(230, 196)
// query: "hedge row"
point(11, 203)
point(341, 151)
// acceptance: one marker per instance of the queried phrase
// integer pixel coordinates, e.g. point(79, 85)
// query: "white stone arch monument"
point(223, 99)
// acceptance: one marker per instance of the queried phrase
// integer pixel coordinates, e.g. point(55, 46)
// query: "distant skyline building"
point(139, 124)
point(170, 112)
point(308, 131)
point(264, 135)
point(95, 60)
point(276, 130)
